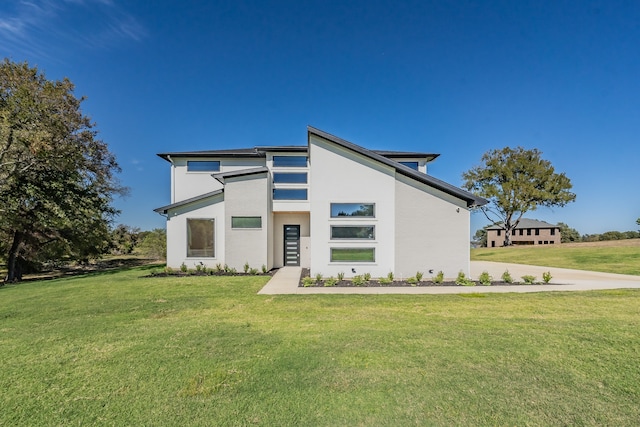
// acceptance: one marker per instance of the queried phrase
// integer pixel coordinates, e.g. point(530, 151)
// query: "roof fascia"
point(165, 209)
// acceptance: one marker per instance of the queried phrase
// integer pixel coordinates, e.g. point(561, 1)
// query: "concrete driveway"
point(285, 281)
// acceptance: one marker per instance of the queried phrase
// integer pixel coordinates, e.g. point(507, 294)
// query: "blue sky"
point(451, 77)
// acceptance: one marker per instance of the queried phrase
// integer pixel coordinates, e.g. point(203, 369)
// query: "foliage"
point(57, 179)
point(546, 277)
point(611, 235)
point(264, 269)
point(481, 237)
point(331, 281)
point(528, 279)
point(485, 278)
point(358, 280)
point(307, 281)
point(568, 234)
point(124, 239)
point(506, 277)
point(183, 267)
point(439, 278)
point(367, 277)
point(254, 271)
point(390, 276)
point(385, 280)
point(341, 275)
point(419, 276)
point(245, 267)
point(516, 181)
point(318, 277)
point(153, 244)
point(412, 281)
point(463, 280)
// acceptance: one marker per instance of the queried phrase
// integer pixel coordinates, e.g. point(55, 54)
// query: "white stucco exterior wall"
point(342, 176)
point(280, 219)
point(432, 231)
point(247, 196)
point(209, 208)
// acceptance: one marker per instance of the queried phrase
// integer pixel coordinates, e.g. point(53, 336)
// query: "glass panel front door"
point(291, 245)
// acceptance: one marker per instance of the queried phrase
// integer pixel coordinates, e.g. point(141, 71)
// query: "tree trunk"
point(13, 274)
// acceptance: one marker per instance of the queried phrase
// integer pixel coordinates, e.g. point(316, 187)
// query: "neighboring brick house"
point(528, 232)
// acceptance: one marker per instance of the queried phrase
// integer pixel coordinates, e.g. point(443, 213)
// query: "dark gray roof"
point(283, 148)
point(405, 154)
point(527, 223)
point(164, 209)
point(242, 172)
point(471, 199)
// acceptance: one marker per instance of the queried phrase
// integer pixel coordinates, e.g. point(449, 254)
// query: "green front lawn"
point(117, 349)
point(608, 259)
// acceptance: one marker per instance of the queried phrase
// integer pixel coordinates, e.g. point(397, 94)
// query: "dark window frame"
point(334, 227)
point(340, 206)
point(371, 249)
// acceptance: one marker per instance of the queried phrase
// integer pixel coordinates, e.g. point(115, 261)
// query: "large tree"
point(57, 178)
point(516, 181)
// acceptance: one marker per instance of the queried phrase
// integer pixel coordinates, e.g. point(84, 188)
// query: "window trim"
point(235, 227)
point(372, 249)
point(203, 170)
point(213, 240)
point(351, 216)
point(373, 237)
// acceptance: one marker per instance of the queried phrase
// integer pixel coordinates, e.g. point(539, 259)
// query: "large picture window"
point(365, 232)
point(246, 222)
point(203, 166)
point(200, 238)
point(353, 254)
point(290, 161)
point(290, 194)
point(366, 210)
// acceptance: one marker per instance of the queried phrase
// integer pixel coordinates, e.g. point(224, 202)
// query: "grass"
point(609, 257)
point(118, 349)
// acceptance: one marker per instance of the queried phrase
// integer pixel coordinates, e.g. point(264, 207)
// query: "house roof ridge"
point(471, 199)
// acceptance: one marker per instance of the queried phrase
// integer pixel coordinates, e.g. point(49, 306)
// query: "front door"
point(292, 245)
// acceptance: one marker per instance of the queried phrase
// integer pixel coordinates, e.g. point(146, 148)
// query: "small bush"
point(358, 280)
point(307, 281)
point(506, 277)
point(390, 276)
point(245, 267)
point(219, 268)
point(367, 277)
point(319, 277)
point(528, 279)
point(232, 270)
point(385, 280)
point(341, 275)
point(330, 282)
point(264, 269)
point(412, 281)
point(546, 276)
point(463, 280)
point(254, 271)
point(168, 270)
point(485, 278)
point(419, 275)
point(183, 267)
point(439, 278)
point(225, 268)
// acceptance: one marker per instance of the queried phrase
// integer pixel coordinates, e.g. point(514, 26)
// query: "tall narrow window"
point(553, 231)
point(200, 238)
point(202, 166)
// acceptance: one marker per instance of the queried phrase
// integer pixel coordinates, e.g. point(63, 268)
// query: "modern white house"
point(331, 206)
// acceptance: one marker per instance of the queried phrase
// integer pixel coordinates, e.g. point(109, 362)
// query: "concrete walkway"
point(285, 281)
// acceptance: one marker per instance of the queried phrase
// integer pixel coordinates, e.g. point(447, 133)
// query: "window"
point(353, 254)
point(366, 232)
point(202, 166)
point(290, 161)
point(553, 231)
point(499, 231)
point(539, 242)
point(412, 165)
point(290, 194)
point(290, 178)
point(352, 209)
point(246, 222)
point(200, 238)
point(537, 231)
point(528, 232)
point(521, 231)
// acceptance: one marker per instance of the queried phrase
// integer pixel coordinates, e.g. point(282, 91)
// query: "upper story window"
point(289, 178)
point(289, 194)
point(366, 210)
point(203, 166)
point(365, 232)
point(290, 161)
point(412, 165)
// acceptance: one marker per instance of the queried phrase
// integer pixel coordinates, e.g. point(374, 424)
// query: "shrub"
point(367, 277)
point(225, 268)
point(419, 276)
point(330, 282)
point(463, 280)
point(319, 277)
point(246, 267)
point(264, 269)
point(506, 277)
point(254, 271)
point(358, 280)
point(341, 275)
point(528, 279)
point(546, 276)
point(412, 281)
point(232, 270)
point(439, 278)
point(183, 267)
point(219, 268)
point(390, 276)
point(485, 278)
point(168, 270)
point(385, 280)
point(307, 281)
